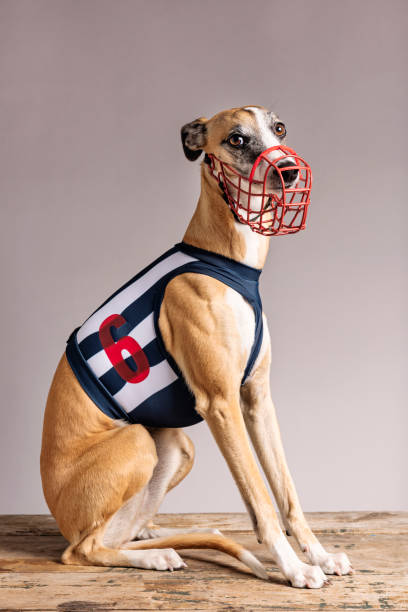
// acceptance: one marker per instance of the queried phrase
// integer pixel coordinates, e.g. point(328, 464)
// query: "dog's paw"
point(163, 559)
point(336, 563)
point(331, 563)
point(308, 576)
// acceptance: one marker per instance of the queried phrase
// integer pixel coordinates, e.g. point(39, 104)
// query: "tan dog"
point(104, 479)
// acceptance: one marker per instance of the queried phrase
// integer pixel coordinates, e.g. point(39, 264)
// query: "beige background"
point(94, 185)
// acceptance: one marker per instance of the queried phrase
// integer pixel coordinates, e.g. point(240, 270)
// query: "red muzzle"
point(274, 199)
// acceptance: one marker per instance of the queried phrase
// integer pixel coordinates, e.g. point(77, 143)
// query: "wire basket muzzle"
point(274, 199)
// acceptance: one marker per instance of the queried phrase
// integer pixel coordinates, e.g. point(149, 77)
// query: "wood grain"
point(321, 522)
point(32, 578)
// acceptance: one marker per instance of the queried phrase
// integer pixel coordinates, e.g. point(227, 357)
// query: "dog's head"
point(237, 137)
point(266, 184)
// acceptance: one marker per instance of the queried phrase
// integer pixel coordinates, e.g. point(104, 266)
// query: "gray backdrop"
point(94, 185)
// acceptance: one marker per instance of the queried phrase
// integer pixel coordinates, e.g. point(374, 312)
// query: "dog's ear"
point(194, 137)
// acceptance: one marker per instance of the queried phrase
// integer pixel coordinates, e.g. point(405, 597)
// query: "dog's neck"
point(214, 228)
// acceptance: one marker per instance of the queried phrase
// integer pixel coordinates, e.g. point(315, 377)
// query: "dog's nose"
point(289, 176)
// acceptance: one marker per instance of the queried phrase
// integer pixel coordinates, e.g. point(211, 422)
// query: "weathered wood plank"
point(321, 522)
point(32, 578)
point(219, 591)
point(370, 553)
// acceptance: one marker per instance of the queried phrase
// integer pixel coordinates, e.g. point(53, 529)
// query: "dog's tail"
point(205, 540)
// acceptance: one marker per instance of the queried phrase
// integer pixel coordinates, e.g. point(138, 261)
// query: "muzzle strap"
point(207, 160)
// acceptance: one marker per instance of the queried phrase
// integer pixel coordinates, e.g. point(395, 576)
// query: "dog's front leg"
point(224, 418)
point(262, 425)
point(196, 327)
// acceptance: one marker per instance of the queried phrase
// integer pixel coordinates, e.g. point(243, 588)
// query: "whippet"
point(185, 340)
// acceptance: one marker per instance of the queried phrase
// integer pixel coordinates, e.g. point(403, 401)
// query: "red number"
point(114, 351)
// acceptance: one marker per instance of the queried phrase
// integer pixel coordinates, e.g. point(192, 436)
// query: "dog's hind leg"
point(262, 425)
point(97, 511)
point(175, 453)
point(108, 543)
point(96, 508)
point(93, 469)
point(175, 457)
point(92, 552)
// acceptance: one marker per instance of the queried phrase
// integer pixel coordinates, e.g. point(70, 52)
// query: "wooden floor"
point(32, 577)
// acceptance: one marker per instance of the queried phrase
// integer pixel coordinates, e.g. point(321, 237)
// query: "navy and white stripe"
point(162, 398)
point(135, 303)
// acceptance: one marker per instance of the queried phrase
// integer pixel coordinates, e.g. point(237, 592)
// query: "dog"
point(113, 446)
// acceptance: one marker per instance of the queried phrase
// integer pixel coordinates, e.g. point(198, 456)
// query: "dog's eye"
point(236, 140)
point(279, 129)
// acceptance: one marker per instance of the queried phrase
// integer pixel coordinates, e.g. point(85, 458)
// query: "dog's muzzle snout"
point(289, 171)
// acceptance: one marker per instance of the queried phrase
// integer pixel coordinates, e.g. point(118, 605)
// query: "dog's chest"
point(243, 321)
point(118, 353)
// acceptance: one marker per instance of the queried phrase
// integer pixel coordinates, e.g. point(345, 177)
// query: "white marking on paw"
point(299, 574)
point(156, 558)
point(331, 563)
point(308, 576)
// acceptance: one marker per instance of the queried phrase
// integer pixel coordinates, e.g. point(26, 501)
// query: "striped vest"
point(118, 354)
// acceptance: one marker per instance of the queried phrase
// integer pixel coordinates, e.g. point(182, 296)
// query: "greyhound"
point(106, 465)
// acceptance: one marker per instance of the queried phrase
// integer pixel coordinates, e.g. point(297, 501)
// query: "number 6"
point(114, 351)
